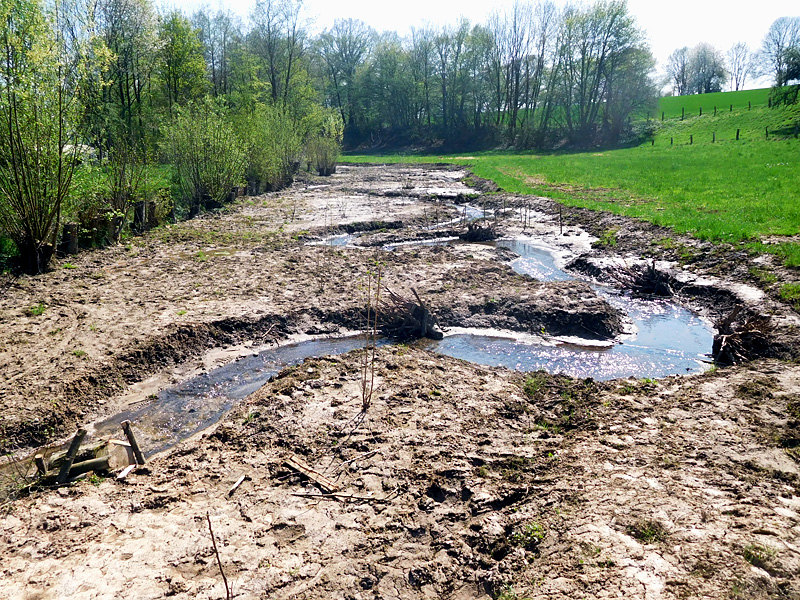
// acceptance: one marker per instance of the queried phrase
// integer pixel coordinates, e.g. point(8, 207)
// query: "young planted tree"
point(206, 153)
point(43, 62)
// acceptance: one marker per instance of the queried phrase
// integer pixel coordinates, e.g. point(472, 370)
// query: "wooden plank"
point(298, 465)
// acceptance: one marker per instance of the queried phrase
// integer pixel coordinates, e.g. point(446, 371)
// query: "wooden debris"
point(478, 233)
point(126, 427)
point(323, 482)
point(126, 471)
point(342, 496)
point(404, 319)
point(63, 473)
point(740, 339)
point(644, 279)
point(41, 468)
point(236, 485)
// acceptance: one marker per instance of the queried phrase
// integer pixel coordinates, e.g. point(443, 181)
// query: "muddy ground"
point(464, 481)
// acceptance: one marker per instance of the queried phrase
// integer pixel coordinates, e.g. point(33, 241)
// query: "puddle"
point(181, 411)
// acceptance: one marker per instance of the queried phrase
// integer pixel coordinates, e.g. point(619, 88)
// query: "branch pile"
point(479, 233)
point(405, 319)
point(741, 338)
point(644, 279)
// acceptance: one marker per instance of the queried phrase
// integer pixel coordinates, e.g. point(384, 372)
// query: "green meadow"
point(716, 189)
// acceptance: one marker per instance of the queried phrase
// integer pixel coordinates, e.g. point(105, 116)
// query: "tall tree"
point(595, 44)
point(278, 39)
point(783, 35)
point(678, 71)
point(740, 65)
point(343, 49)
point(181, 65)
point(129, 30)
point(706, 69)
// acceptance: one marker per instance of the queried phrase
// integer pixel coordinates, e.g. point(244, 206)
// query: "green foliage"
point(648, 531)
point(608, 239)
point(273, 145)
point(528, 536)
point(759, 555)
point(42, 74)
point(790, 292)
point(207, 155)
point(36, 310)
point(324, 142)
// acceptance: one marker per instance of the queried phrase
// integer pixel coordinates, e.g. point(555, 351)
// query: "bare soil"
point(457, 481)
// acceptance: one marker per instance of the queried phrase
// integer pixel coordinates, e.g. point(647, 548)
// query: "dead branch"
point(219, 560)
point(644, 279)
point(741, 339)
point(404, 319)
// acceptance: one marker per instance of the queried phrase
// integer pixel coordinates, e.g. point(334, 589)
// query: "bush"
point(324, 140)
point(273, 147)
point(208, 157)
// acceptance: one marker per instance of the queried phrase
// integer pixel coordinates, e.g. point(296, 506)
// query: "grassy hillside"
point(724, 101)
point(728, 190)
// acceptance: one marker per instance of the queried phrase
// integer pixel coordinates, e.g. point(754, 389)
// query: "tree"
point(207, 155)
point(596, 42)
point(343, 49)
point(181, 66)
point(783, 35)
point(43, 64)
point(678, 71)
point(278, 39)
point(129, 30)
point(740, 65)
point(706, 69)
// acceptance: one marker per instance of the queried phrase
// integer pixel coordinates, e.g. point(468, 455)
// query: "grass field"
point(732, 191)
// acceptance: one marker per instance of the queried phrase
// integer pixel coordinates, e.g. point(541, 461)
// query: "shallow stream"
point(669, 340)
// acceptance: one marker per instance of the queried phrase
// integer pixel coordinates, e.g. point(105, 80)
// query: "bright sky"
point(669, 25)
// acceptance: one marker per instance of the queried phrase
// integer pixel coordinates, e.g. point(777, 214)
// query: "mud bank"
point(457, 481)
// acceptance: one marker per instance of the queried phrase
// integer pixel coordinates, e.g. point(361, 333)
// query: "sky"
point(668, 25)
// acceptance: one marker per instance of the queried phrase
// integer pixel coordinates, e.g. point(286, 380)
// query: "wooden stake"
point(63, 474)
point(41, 468)
point(137, 453)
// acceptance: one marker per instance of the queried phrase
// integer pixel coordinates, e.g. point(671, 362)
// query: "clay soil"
point(454, 480)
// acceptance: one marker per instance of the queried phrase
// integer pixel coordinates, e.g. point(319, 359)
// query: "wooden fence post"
point(731, 110)
point(137, 453)
point(662, 115)
point(766, 132)
point(670, 141)
point(683, 113)
point(714, 137)
point(737, 135)
point(691, 140)
point(715, 111)
point(69, 458)
point(701, 111)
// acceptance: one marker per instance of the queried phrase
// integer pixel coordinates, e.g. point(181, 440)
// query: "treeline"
point(704, 69)
point(110, 110)
point(113, 114)
point(534, 77)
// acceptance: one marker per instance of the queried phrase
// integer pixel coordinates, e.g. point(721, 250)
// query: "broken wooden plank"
point(126, 471)
point(298, 465)
point(63, 474)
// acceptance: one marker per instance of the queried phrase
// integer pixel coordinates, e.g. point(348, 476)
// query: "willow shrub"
point(324, 140)
point(41, 79)
point(208, 157)
point(273, 145)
